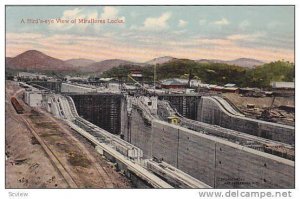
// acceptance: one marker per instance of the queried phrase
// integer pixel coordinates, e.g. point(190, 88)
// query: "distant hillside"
point(105, 65)
point(209, 61)
point(38, 61)
point(7, 59)
point(246, 62)
point(261, 76)
point(160, 60)
point(215, 73)
point(243, 62)
point(80, 62)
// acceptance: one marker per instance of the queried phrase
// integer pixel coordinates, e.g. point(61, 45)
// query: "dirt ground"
point(262, 103)
point(27, 164)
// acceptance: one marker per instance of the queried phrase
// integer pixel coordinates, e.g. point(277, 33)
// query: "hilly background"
point(243, 71)
point(38, 61)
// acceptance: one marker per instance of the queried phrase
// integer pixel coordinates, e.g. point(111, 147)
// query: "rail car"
point(18, 107)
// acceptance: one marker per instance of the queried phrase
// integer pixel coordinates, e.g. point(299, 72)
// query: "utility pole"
point(154, 77)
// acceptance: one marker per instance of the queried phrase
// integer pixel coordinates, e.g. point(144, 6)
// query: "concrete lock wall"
point(186, 105)
point(209, 111)
point(51, 85)
point(138, 132)
point(71, 88)
point(216, 162)
point(124, 120)
point(103, 110)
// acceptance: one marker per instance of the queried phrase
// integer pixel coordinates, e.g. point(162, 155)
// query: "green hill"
point(213, 73)
point(275, 71)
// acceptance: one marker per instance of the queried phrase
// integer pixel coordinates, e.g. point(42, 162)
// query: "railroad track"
point(104, 175)
point(54, 159)
point(69, 177)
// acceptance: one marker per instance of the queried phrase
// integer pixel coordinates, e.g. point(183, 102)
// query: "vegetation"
point(121, 71)
point(274, 71)
point(213, 73)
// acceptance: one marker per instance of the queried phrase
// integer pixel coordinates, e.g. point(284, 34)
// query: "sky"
point(145, 32)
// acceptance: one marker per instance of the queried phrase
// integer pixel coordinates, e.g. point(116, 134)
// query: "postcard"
point(136, 96)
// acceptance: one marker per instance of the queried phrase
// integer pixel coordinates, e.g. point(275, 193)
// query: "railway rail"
point(53, 157)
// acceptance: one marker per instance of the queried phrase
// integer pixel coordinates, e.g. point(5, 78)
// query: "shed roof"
point(229, 85)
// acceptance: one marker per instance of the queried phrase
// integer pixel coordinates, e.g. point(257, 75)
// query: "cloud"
point(182, 23)
point(68, 15)
point(157, 23)
point(145, 47)
point(75, 13)
point(222, 22)
point(85, 13)
point(246, 37)
point(71, 13)
point(214, 42)
point(26, 36)
point(109, 12)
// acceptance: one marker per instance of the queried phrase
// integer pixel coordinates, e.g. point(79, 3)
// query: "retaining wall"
point(73, 88)
point(210, 111)
point(186, 105)
point(216, 162)
point(51, 85)
point(103, 110)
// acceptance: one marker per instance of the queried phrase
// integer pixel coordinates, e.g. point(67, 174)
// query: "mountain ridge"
point(36, 60)
point(80, 62)
point(243, 62)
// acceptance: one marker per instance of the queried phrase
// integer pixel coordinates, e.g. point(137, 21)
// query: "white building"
point(33, 98)
point(283, 85)
point(32, 75)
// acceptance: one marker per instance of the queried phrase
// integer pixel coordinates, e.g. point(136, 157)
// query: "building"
point(34, 98)
point(216, 88)
point(76, 79)
point(31, 76)
point(136, 73)
point(106, 80)
point(230, 88)
point(283, 85)
point(283, 89)
point(229, 85)
point(195, 83)
point(177, 83)
point(174, 83)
